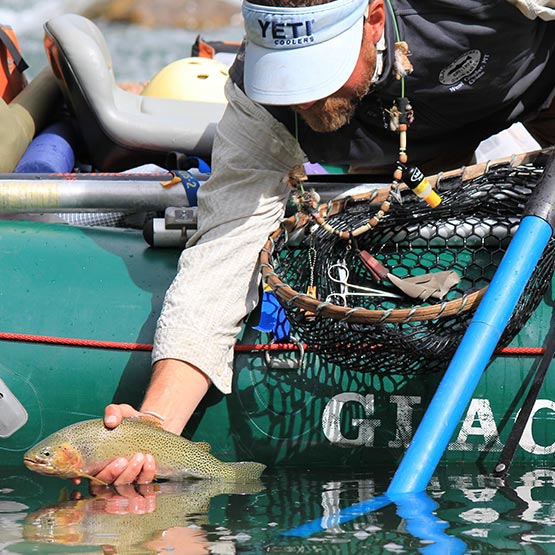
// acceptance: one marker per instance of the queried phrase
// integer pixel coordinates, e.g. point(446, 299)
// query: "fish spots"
point(84, 448)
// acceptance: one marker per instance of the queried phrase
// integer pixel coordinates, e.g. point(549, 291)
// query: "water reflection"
point(460, 513)
point(127, 518)
point(153, 518)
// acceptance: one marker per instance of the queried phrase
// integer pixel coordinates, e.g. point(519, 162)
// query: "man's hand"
point(140, 468)
point(175, 390)
point(113, 414)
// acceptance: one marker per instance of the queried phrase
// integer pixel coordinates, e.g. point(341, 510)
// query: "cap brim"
point(295, 76)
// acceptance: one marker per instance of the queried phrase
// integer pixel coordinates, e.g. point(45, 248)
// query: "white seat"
point(120, 129)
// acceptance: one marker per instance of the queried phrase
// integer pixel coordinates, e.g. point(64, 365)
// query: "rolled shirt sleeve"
point(241, 204)
point(544, 9)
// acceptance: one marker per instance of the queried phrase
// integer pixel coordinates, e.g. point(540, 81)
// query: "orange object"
point(12, 65)
point(211, 49)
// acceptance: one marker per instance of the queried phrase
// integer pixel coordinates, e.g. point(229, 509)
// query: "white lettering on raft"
point(527, 442)
point(478, 422)
point(331, 420)
point(480, 410)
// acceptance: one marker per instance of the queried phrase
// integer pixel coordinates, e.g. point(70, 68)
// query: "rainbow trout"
point(84, 448)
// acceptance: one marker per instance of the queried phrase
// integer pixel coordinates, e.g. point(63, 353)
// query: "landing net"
point(467, 233)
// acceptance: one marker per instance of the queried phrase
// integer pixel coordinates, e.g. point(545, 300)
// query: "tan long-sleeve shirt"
point(241, 204)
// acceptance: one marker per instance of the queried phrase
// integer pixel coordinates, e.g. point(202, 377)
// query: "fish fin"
point(203, 446)
point(247, 471)
point(94, 479)
point(64, 495)
point(150, 419)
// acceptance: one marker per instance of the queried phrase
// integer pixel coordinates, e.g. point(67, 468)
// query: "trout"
point(84, 448)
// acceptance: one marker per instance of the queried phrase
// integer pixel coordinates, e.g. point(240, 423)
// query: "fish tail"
point(246, 471)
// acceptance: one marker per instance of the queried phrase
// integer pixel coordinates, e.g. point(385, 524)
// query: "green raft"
point(79, 304)
point(78, 310)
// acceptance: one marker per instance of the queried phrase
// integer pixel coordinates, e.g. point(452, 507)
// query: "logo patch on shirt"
point(467, 68)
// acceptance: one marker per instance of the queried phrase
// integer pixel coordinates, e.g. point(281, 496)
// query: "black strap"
point(507, 454)
point(20, 63)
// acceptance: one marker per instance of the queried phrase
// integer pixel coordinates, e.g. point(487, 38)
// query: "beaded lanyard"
point(401, 115)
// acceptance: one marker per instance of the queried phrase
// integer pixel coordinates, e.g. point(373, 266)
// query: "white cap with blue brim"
point(298, 55)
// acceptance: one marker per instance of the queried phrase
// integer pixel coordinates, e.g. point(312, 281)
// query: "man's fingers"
point(122, 471)
point(148, 472)
point(113, 470)
point(113, 414)
point(132, 470)
point(139, 468)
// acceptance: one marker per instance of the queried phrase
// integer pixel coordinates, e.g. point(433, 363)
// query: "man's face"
point(333, 112)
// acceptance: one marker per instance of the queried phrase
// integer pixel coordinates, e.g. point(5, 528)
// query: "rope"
point(118, 345)
point(27, 338)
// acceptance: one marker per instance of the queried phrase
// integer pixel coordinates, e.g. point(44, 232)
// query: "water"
point(462, 512)
point(137, 52)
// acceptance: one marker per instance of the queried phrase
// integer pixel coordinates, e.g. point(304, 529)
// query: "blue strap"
point(191, 185)
point(199, 163)
point(273, 318)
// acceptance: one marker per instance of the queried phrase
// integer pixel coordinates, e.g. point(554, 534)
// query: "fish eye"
point(45, 452)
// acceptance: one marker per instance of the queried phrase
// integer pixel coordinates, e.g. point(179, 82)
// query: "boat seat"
point(119, 129)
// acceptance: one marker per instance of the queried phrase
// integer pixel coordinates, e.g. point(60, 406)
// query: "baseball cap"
point(301, 54)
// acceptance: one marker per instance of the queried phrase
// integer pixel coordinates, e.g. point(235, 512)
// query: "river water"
point(288, 511)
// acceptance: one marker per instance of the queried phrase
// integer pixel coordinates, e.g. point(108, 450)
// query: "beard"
point(333, 112)
point(330, 114)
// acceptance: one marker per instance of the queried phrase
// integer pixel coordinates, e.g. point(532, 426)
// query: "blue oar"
point(480, 339)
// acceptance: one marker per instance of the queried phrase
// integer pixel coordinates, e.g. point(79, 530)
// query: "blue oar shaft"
point(472, 356)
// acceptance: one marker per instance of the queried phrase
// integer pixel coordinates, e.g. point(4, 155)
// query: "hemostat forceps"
point(339, 273)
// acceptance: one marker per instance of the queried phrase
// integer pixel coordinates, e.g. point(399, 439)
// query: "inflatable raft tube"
point(25, 116)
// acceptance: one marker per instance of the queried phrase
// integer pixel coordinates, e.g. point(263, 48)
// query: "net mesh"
point(468, 233)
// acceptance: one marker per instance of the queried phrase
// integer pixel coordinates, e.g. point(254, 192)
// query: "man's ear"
point(375, 19)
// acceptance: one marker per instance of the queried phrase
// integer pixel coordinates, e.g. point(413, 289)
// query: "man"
point(320, 80)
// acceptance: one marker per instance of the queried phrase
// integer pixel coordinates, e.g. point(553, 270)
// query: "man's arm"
point(175, 390)
point(217, 280)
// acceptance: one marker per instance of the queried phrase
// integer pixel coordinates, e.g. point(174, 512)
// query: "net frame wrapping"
point(416, 337)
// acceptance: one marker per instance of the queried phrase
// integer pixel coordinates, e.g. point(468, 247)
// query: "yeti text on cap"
point(286, 34)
